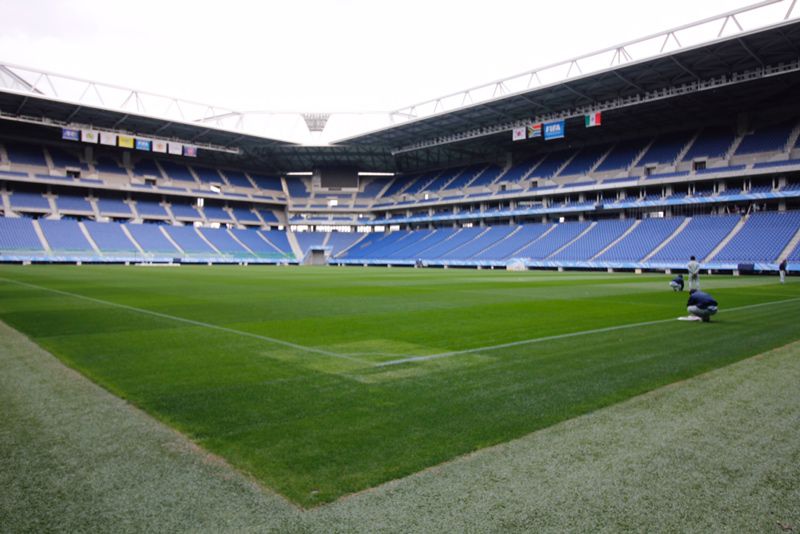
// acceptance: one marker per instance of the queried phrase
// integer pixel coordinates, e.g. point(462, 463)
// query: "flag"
point(107, 138)
point(518, 134)
point(593, 119)
point(70, 135)
point(125, 141)
point(176, 149)
point(160, 146)
point(143, 144)
point(190, 151)
point(89, 136)
point(554, 130)
point(534, 130)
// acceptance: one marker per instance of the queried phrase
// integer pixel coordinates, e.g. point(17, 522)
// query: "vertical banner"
point(107, 138)
point(190, 151)
point(554, 130)
point(176, 149)
point(70, 135)
point(534, 130)
point(593, 119)
point(518, 134)
point(160, 146)
point(143, 144)
point(89, 136)
point(125, 141)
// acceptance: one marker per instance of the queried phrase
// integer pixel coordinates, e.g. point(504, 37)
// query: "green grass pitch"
point(283, 371)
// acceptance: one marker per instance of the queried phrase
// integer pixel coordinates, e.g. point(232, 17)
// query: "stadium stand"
point(65, 236)
point(188, 239)
point(18, 235)
point(109, 237)
point(151, 239)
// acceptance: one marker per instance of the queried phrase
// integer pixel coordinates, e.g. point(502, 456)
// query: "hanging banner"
point(125, 141)
point(176, 149)
point(107, 138)
point(534, 130)
point(554, 130)
point(89, 136)
point(160, 146)
point(143, 144)
point(190, 151)
point(70, 135)
point(518, 134)
point(593, 119)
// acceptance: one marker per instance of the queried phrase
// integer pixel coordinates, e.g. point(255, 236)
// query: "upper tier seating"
point(665, 149)
point(146, 167)
point(109, 165)
point(297, 188)
point(464, 178)
point(207, 175)
point(767, 139)
point(711, 143)
point(113, 206)
point(150, 208)
point(269, 183)
point(22, 200)
point(177, 171)
point(621, 156)
point(71, 203)
point(25, 154)
point(584, 160)
point(487, 177)
point(237, 179)
point(245, 215)
point(64, 158)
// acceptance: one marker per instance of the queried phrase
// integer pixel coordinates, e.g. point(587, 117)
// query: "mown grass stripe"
point(559, 336)
point(191, 322)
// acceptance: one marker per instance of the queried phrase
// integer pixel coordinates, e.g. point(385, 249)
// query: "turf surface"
point(223, 355)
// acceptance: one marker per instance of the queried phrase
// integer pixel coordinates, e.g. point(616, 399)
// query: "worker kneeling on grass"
point(701, 305)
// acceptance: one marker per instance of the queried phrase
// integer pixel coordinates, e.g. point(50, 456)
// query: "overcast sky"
point(309, 55)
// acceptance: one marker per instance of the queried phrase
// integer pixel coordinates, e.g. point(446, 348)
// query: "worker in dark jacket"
point(701, 305)
point(677, 283)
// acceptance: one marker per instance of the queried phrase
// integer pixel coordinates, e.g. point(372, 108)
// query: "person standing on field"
point(782, 271)
point(694, 273)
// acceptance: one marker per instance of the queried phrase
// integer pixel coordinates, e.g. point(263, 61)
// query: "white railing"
point(322, 128)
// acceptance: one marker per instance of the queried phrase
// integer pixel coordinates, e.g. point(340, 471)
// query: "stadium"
point(455, 318)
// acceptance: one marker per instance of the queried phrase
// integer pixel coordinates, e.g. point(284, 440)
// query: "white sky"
point(317, 55)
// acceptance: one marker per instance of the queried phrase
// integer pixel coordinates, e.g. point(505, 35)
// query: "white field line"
point(193, 322)
point(559, 336)
point(386, 363)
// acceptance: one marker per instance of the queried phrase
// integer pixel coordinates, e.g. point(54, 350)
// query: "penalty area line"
point(192, 322)
point(559, 336)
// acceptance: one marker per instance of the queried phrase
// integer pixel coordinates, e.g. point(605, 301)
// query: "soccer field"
point(322, 382)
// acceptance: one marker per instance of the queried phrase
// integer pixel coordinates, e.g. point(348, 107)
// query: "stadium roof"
point(700, 84)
